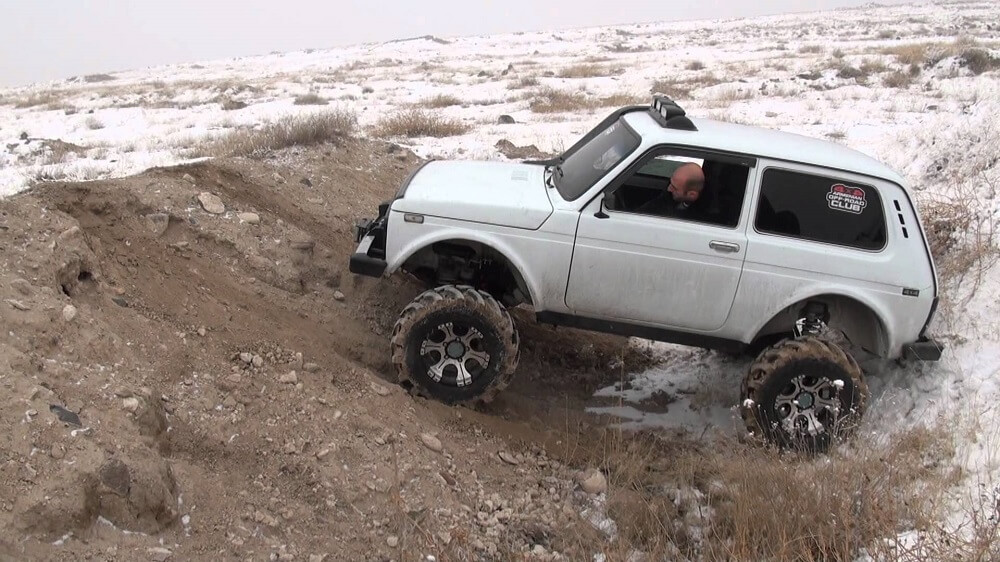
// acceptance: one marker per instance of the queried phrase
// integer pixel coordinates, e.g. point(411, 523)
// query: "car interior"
point(721, 199)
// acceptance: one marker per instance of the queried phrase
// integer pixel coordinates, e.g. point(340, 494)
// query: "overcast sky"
point(53, 39)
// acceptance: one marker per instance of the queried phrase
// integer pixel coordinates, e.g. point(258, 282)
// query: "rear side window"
point(822, 209)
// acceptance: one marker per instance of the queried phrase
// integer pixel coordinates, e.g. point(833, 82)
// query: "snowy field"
point(916, 86)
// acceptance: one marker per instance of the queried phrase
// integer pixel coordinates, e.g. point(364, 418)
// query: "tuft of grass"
point(848, 72)
point(310, 99)
point(93, 123)
point(897, 79)
point(523, 82)
point(229, 104)
point(695, 65)
point(677, 89)
point(551, 100)
point(584, 71)
point(333, 126)
point(811, 49)
point(441, 100)
point(418, 123)
point(978, 60)
point(873, 66)
point(367, 90)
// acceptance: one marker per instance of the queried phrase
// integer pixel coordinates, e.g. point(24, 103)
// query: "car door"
point(633, 267)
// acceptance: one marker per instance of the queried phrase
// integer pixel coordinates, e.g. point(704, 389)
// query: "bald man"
point(685, 187)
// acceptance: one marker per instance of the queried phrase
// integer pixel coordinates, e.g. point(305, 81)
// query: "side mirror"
point(607, 202)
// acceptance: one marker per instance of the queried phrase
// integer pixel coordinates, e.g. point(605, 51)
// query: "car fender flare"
point(819, 293)
point(493, 242)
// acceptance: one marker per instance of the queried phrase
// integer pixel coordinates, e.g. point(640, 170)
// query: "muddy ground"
point(232, 383)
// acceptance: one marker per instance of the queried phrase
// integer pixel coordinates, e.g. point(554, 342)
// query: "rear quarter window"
point(821, 209)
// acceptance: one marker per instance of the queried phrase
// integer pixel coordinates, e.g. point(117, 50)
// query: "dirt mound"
point(181, 381)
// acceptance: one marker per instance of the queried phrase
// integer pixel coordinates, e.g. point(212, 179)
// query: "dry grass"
point(811, 49)
point(93, 123)
point(310, 99)
point(971, 54)
point(418, 123)
point(585, 71)
point(306, 130)
point(523, 82)
point(441, 100)
point(695, 65)
point(682, 88)
point(550, 100)
point(728, 501)
point(897, 79)
point(978, 60)
point(42, 98)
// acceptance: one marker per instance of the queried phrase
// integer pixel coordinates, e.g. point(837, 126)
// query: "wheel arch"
point(862, 320)
point(495, 245)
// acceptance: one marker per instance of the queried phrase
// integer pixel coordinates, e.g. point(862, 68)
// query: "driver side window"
point(682, 186)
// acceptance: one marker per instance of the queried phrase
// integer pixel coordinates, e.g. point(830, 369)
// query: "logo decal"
point(844, 198)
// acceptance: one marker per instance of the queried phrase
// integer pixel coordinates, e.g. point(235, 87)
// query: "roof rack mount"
point(668, 114)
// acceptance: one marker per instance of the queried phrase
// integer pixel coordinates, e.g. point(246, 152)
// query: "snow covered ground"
point(914, 86)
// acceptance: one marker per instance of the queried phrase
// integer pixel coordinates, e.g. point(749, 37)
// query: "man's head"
point(687, 182)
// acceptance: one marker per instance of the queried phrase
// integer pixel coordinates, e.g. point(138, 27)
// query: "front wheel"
point(803, 393)
point(455, 344)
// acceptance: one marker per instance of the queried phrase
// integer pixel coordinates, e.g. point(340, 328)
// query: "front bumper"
point(369, 258)
point(925, 349)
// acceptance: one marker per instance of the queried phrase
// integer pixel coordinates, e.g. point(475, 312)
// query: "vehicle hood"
point(500, 193)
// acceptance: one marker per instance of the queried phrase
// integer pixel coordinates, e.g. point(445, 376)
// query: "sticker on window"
point(848, 199)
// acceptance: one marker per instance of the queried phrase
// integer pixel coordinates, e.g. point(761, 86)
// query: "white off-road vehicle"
point(795, 248)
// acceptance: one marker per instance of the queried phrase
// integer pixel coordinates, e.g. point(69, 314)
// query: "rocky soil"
point(189, 371)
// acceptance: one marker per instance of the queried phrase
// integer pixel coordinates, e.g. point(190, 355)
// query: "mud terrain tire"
point(791, 397)
point(444, 336)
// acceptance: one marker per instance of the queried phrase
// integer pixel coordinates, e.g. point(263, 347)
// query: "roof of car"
point(765, 143)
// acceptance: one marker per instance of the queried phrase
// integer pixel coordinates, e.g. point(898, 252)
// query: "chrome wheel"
point(808, 405)
point(454, 354)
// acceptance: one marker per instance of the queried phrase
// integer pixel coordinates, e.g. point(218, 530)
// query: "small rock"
point(508, 458)
point(159, 554)
point(297, 361)
point(444, 537)
point(276, 177)
point(249, 218)
point(593, 482)
point(258, 361)
point(120, 301)
point(246, 357)
point(289, 378)
point(505, 120)
point(310, 367)
point(188, 178)
point(392, 541)
point(306, 182)
point(379, 389)
point(229, 402)
point(211, 203)
point(21, 286)
point(431, 442)
point(18, 305)
point(322, 453)
point(202, 331)
point(338, 296)
point(157, 223)
point(57, 452)
point(130, 404)
point(69, 313)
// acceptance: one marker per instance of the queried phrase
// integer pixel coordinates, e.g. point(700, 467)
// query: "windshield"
point(585, 167)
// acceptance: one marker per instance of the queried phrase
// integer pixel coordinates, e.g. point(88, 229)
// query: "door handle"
point(725, 247)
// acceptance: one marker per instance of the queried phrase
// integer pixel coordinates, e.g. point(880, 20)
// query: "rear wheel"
point(803, 393)
point(455, 344)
